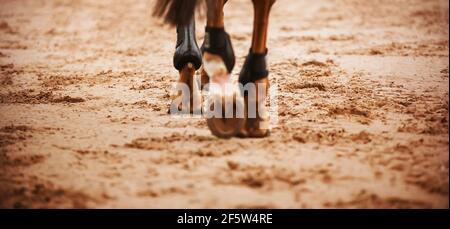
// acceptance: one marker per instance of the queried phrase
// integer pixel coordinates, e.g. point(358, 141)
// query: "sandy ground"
point(363, 109)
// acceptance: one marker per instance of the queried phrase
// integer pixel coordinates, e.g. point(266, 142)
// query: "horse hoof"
point(227, 122)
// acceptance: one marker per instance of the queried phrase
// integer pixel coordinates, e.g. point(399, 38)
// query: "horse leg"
point(260, 25)
point(218, 63)
point(215, 19)
point(214, 14)
point(255, 72)
point(187, 59)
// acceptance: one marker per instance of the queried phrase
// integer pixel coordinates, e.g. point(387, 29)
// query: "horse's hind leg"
point(187, 59)
point(254, 74)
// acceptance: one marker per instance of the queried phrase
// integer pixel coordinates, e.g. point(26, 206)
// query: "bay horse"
point(215, 59)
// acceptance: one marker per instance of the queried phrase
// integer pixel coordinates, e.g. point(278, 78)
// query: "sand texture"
point(363, 109)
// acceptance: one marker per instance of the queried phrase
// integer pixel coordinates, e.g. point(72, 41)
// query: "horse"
point(216, 60)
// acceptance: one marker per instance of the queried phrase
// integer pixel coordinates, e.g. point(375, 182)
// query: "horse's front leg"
point(217, 44)
point(218, 63)
point(254, 74)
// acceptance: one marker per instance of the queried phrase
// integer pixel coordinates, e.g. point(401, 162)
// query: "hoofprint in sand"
point(363, 109)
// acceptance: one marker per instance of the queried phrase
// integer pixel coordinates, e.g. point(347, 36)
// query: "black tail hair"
point(175, 12)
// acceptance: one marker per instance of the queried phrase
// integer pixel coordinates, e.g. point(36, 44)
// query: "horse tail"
point(175, 12)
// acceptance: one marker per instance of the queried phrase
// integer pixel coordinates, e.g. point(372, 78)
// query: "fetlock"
point(256, 113)
point(218, 42)
point(254, 68)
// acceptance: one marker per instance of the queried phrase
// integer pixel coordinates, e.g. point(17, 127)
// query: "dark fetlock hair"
point(176, 12)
